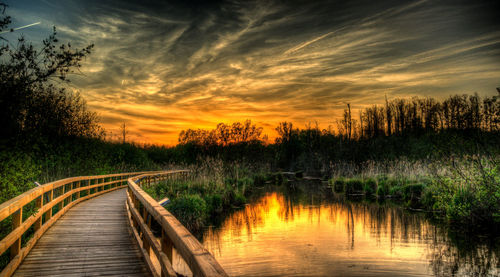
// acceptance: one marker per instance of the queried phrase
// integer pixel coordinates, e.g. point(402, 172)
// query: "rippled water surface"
point(303, 234)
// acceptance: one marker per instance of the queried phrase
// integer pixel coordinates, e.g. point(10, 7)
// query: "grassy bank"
point(465, 191)
point(212, 188)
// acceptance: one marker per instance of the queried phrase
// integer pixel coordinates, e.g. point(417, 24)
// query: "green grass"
point(211, 189)
point(467, 193)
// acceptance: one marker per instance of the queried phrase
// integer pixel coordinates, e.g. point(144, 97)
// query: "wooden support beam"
point(17, 219)
point(38, 204)
point(48, 214)
point(167, 246)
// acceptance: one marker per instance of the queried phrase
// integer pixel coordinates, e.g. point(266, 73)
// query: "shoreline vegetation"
point(435, 155)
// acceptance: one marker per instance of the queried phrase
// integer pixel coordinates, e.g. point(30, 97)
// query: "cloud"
point(172, 65)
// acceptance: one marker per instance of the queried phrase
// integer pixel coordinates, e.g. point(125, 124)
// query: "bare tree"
point(123, 132)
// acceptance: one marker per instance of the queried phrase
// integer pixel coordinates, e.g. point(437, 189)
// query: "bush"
point(370, 186)
point(190, 209)
point(259, 179)
point(396, 191)
point(17, 174)
point(353, 186)
point(338, 184)
point(461, 206)
point(239, 199)
point(413, 191)
point(428, 199)
point(214, 203)
point(382, 189)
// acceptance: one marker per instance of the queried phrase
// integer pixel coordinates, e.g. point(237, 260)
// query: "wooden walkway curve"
point(93, 238)
point(101, 225)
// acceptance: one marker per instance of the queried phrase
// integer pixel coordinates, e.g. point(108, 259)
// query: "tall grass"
point(213, 187)
point(464, 191)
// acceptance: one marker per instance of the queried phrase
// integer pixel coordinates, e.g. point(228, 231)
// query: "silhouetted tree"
point(31, 102)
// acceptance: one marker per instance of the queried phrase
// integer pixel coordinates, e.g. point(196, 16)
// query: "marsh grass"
point(465, 191)
point(212, 188)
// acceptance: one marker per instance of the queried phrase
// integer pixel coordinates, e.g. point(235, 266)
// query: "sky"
point(165, 66)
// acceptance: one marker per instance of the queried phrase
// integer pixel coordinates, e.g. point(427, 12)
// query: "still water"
point(309, 234)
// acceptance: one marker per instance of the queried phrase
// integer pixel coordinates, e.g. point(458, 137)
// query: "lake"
point(311, 232)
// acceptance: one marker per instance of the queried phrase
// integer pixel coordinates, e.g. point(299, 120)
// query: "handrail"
point(143, 210)
point(52, 200)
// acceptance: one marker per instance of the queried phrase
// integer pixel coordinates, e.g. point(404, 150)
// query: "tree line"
point(417, 128)
point(418, 115)
point(237, 132)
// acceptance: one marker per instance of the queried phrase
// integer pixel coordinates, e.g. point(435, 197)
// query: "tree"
point(32, 102)
point(123, 132)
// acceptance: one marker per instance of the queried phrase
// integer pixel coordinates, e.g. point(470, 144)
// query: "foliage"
point(338, 184)
point(31, 103)
point(222, 186)
point(354, 185)
point(17, 170)
point(223, 134)
point(370, 186)
point(190, 209)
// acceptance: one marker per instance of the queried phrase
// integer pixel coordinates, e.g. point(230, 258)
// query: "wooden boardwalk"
point(91, 239)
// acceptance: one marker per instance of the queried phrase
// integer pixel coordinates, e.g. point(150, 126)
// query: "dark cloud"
point(195, 63)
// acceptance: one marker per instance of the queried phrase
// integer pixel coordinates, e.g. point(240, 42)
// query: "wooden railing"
point(50, 202)
point(145, 212)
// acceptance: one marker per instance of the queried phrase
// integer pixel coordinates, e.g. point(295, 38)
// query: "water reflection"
point(304, 234)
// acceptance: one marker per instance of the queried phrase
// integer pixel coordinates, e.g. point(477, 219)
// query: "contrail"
point(297, 48)
point(19, 28)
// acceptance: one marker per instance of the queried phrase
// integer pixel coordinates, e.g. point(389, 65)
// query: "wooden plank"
point(47, 210)
point(81, 248)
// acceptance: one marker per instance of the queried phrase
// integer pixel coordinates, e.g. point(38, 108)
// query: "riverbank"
point(465, 193)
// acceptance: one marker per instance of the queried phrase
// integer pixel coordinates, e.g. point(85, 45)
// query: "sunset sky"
point(165, 66)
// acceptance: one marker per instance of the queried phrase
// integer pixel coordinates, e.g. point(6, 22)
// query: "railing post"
point(166, 245)
point(145, 216)
point(78, 187)
point(17, 219)
point(145, 242)
point(48, 214)
point(38, 204)
point(60, 205)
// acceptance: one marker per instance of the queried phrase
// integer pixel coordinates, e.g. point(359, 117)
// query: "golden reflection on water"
point(275, 237)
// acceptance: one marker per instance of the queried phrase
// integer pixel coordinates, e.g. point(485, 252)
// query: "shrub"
point(461, 206)
point(338, 184)
point(190, 209)
point(370, 186)
point(396, 191)
point(245, 182)
point(382, 189)
point(428, 199)
point(393, 183)
point(214, 203)
point(259, 179)
point(239, 199)
point(353, 186)
point(368, 190)
point(17, 173)
point(413, 191)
